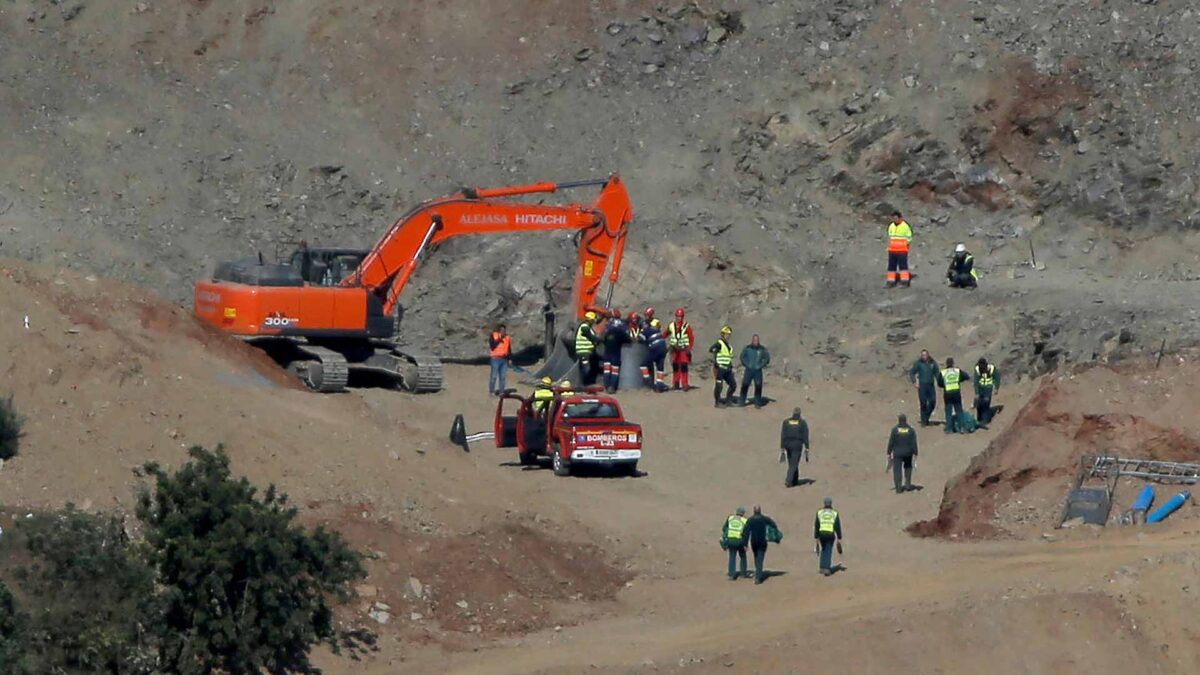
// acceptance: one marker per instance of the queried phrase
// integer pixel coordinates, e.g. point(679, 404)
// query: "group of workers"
point(758, 531)
point(927, 377)
point(676, 340)
point(960, 274)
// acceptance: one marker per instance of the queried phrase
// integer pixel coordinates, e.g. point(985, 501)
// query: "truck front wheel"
point(561, 466)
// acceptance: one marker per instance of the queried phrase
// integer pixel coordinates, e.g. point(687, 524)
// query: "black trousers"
point(905, 464)
point(983, 407)
point(587, 369)
point(793, 470)
point(724, 375)
point(952, 400)
point(760, 557)
point(928, 396)
point(752, 376)
point(962, 280)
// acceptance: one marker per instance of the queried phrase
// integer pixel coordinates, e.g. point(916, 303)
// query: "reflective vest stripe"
point(734, 527)
point(583, 346)
point(724, 354)
point(542, 398)
point(677, 336)
point(827, 519)
point(899, 237)
point(985, 378)
point(951, 376)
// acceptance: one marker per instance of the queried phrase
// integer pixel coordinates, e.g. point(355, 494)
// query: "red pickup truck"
point(574, 429)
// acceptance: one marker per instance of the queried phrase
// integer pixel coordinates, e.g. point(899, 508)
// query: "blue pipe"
point(1145, 500)
point(1169, 508)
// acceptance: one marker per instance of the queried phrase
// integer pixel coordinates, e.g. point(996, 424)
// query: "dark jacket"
point(837, 527)
point(924, 374)
point(794, 434)
point(755, 358)
point(653, 338)
point(902, 442)
point(756, 530)
point(616, 335)
point(961, 264)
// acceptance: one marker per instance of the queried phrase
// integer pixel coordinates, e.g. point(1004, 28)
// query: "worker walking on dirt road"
point(616, 336)
point(950, 379)
point(723, 368)
point(500, 349)
point(585, 348)
point(827, 530)
point(654, 367)
point(760, 530)
point(902, 453)
point(987, 382)
point(680, 340)
point(899, 239)
point(754, 359)
point(923, 375)
point(793, 442)
point(733, 539)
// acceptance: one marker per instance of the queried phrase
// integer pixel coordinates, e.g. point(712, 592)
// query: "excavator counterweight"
point(325, 313)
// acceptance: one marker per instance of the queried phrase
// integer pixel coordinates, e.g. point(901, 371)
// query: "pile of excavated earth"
point(763, 144)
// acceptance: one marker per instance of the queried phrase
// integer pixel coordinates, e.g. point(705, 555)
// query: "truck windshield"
point(591, 410)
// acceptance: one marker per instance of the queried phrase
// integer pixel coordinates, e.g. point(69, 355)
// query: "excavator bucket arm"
point(603, 227)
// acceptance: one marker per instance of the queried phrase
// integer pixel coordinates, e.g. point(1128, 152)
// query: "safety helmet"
point(614, 313)
point(961, 248)
point(679, 312)
point(633, 316)
point(590, 316)
point(726, 330)
point(547, 381)
point(566, 384)
point(649, 312)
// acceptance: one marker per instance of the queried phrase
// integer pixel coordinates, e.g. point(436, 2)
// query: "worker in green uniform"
point(923, 375)
point(733, 539)
point(723, 368)
point(902, 453)
point(827, 530)
point(987, 382)
point(950, 379)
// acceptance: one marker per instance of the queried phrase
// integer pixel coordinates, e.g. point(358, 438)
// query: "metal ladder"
point(1166, 472)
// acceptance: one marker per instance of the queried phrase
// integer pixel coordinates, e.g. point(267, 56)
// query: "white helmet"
point(961, 248)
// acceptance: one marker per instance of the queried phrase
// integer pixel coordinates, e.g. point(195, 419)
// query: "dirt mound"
point(1033, 461)
point(504, 578)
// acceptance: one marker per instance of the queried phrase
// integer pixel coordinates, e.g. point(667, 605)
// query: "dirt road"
point(902, 604)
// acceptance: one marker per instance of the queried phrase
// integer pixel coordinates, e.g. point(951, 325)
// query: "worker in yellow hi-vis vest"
point(733, 539)
point(951, 380)
point(722, 353)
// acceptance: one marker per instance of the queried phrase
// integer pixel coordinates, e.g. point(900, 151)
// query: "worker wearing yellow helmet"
point(722, 353)
point(543, 394)
point(585, 348)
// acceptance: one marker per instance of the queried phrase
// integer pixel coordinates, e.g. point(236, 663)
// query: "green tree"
point(88, 597)
point(10, 429)
point(244, 587)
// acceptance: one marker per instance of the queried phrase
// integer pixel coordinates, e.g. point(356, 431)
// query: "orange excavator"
point(325, 313)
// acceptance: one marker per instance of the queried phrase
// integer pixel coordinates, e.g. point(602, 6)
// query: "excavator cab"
point(326, 266)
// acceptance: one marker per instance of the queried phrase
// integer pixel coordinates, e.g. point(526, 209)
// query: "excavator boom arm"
point(603, 226)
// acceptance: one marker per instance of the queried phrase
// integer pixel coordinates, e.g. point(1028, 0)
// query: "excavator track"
point(424, 375)
point(327, 373)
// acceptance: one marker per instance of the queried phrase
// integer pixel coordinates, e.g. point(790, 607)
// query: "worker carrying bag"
point(774, 534)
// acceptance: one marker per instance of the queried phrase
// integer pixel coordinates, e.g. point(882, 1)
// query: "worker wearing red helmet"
point(680, 340)
point(635, 326)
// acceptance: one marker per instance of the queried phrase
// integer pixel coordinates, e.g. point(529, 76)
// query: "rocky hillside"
point(762, 142)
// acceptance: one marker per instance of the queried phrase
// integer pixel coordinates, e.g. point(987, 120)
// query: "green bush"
point(10, 429)
point(88, 595)
point(244, 587)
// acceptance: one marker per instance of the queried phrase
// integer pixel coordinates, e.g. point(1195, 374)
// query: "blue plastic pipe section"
point(1170, 507)
point(1145, 500)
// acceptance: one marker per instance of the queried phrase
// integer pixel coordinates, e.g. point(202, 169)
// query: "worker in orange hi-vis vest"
point(899, 240)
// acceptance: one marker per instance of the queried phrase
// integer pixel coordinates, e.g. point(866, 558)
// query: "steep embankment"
point(762, 142)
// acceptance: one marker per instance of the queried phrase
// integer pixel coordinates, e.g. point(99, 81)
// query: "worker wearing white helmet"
point(961, 273)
